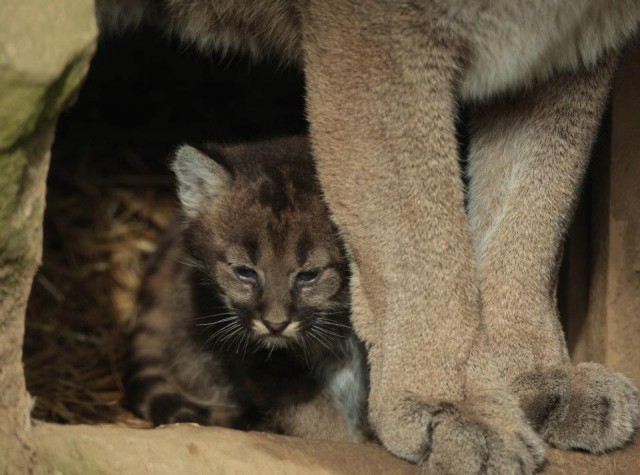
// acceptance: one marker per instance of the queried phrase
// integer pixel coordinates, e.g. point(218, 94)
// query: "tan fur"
point(458, 312)
point(517, 141)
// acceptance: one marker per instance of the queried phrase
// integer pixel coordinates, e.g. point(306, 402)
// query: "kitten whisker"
point(337, 308)
point(329, 334)
point(332, 323)
point(236, 329)
point(246, 344)
point(227, 328)
point(337, 312)
point(217, 322)
point(322, 341)
point(328, 342)
point(321, 314)
point(320, 335)
point(214, 315)
point(237, 341)
point(270, 351)
point(229, 339)
point(304, 352)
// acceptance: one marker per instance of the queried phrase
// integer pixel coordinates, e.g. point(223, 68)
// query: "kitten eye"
point(246, 273)
point(307, 276)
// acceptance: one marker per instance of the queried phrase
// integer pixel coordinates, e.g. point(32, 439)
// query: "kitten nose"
point(276, 327)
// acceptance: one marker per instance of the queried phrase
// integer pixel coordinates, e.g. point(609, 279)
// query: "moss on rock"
point(44, 55)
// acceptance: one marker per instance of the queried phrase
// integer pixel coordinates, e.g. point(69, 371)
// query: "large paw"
point(487, 435)
point(544, 397)
point(604, 411)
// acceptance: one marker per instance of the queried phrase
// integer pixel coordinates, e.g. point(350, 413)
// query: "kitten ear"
point(200, 178)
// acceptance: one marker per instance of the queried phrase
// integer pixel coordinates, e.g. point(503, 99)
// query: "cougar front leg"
point(380, 84)
point(527, 159)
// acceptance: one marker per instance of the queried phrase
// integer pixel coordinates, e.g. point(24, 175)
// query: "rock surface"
point(45, 48)
point(184, 448)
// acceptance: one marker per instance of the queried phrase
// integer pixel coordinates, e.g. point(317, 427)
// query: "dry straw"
point(98, 233)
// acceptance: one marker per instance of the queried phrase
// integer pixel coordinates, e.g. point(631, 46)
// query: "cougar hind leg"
point(528, 155)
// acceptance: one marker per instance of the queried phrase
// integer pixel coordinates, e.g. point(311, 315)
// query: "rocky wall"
point(45, 48)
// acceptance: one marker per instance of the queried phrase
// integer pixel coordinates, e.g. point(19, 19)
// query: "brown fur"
point(458, 310)
point(244, 315)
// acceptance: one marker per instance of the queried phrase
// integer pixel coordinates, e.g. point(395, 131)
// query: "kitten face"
point(278, 297)
point(265, 245)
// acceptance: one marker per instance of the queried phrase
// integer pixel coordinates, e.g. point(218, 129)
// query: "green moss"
point(15, 178)
point(25, 108)
point(25, 103)
point(12, 164)
point(27, 114)
point(20, 105)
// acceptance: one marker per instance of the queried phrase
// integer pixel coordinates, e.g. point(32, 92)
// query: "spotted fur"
point(244, 314)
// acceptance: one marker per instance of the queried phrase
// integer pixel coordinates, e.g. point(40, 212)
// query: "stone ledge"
point(190, 449)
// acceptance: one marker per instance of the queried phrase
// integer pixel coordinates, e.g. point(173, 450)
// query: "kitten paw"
point(604, 411)
point(173, 408)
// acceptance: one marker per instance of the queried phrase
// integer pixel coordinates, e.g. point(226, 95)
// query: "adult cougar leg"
point(380, 82)
point(527, 158)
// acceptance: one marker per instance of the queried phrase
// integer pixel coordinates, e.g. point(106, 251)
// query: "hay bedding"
point(99, 233)
point(110, 195)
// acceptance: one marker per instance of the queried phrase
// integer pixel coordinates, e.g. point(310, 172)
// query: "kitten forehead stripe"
point(253, 250)
point(303, 248)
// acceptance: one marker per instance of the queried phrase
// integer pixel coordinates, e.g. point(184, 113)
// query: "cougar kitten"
point(244, 314)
